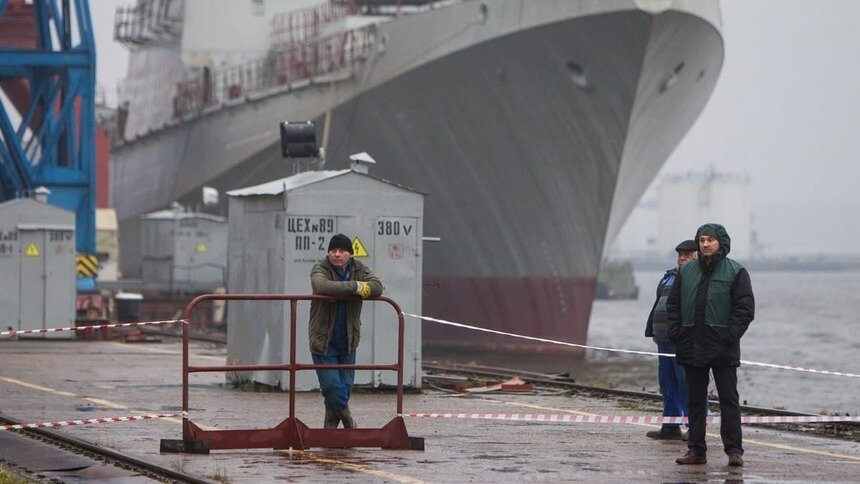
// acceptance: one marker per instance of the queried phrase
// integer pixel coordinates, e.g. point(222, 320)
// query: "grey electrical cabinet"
point(37, 263)
point(183, 252)
point(279, 230)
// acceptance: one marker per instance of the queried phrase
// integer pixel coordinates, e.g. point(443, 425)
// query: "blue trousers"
point(335, 385)
point(673, 385)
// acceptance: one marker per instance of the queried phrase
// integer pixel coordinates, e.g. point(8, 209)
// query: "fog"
point(786, 110)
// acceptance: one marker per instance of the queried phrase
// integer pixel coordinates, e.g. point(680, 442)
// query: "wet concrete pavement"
point(49, 381)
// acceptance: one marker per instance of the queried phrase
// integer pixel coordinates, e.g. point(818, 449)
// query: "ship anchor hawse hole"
point(578, 76)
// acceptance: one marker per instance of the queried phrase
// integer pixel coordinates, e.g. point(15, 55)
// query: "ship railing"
point(306, 24)
point(283, 69)
point(395, 8)
point(148, 21)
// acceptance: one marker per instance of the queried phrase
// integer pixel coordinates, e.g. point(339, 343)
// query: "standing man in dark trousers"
point(670, 373)
point(710, 308)
point(334, 328)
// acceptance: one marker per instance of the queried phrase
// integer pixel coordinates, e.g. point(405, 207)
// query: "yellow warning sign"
point(201, 247)
point(32, 250)
point(358, 249)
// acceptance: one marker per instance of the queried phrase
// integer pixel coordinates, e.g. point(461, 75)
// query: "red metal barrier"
point(291, 433)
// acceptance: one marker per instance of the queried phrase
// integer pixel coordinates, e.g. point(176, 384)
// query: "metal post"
point(293, 304)
point(400, 331)
point(186, 315)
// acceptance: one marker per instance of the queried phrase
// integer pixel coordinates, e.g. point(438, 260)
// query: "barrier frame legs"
point(292, 434)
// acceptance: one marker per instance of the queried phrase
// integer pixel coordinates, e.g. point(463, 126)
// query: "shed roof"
point(19, 203)
point(176, 215)
point(281, 185)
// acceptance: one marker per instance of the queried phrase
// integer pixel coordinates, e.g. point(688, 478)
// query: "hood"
point(722, 236)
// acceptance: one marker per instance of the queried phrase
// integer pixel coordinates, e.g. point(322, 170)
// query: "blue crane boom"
point(47, 122)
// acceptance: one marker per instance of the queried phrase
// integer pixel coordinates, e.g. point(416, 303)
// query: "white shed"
point(280, 229)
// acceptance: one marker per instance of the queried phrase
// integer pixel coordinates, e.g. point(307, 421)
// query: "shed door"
point(59, 260)
point(31, 312)
point(396, 240)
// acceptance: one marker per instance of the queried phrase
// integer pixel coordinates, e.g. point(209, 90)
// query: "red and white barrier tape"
point(799, 368)
point(95, 326)
point(617, 350)
point(654, 420)
point(68, 423)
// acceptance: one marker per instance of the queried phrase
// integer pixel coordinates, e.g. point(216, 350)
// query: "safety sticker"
point(201, 247)
point(395, 251)
point(358, 249)
point(32, 250)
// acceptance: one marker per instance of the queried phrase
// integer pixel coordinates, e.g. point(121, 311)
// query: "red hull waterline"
point(550, 307)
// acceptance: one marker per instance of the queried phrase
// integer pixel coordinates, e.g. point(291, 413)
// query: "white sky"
point(111, 57)
point(786, 110)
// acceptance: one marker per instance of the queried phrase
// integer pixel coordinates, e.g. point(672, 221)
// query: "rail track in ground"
point(109, 461)
point(842, 430)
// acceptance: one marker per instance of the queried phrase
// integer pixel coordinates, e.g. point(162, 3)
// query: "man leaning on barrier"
point(334, 328)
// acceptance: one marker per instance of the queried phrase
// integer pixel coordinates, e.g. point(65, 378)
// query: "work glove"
point(362, 289)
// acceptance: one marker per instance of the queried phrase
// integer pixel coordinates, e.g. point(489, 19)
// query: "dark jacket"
point(710, 307)
point(659, 307)
point(325, 281)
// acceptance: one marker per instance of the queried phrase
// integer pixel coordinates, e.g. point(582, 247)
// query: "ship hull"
point(533, 147)
point(524, 167)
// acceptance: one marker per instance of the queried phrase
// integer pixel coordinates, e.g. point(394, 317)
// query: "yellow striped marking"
point(97, 401)
point(86, 265)
point(354, 467)
point(36, 387)
point(747, 441)
point(105, 403)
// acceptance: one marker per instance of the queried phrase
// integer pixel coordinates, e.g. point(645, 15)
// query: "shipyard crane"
point(47, 108)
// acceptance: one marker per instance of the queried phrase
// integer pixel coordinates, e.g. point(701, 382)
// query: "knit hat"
point(340, 241)
point(708, 230)
point(687, 246)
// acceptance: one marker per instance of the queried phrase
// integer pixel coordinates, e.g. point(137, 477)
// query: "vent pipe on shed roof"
point(360, 162)
point(41, 194)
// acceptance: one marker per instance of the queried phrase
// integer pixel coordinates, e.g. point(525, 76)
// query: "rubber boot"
point(331, 419)
point(346, 417)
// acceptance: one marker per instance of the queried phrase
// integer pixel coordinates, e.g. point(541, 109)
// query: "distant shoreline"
point(821, 263)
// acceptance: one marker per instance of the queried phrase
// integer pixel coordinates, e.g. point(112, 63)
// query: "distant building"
point(677, 205)
point(684, 202)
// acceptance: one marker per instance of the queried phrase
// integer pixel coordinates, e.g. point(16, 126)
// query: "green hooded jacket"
point(710, 307)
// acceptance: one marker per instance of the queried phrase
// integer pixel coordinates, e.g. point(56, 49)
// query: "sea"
point(803, 319)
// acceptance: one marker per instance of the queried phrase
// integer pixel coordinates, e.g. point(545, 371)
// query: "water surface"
point(806, 319)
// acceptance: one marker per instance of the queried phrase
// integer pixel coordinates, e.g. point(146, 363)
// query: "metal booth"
point(37, 263)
